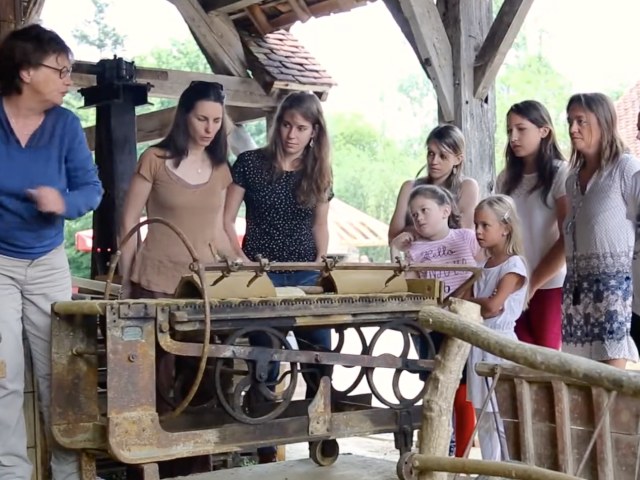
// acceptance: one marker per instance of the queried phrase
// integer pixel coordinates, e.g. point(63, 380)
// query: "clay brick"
point(282, 53)
point(260, 50)
point(290, 72)
point(315, 68)
point(309, 80)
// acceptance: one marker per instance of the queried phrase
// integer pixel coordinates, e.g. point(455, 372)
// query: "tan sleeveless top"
point(194, 209)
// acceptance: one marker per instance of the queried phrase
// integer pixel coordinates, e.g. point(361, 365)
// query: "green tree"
point(97, 32)
point(530, 76)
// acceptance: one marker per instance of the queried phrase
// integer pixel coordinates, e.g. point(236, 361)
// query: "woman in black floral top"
point(286, 187)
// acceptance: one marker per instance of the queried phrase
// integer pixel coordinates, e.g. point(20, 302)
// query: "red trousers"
point(541, 324)
point(465, 420)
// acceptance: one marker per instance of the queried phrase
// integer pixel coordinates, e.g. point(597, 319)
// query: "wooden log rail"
point(443, 382)
point(515, 471)
point(538, 358)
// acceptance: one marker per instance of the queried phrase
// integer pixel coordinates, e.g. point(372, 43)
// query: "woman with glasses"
point(182, 179)
point(48, 176)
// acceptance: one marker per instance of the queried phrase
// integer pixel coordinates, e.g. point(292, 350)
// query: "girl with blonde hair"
point(501, 293)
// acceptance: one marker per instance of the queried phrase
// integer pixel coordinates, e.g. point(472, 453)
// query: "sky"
point(594, 43)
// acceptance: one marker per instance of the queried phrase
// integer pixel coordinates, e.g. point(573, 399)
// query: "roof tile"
point(283, 58)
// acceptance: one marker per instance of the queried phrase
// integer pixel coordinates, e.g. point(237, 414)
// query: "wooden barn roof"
point(627, 108)
point(281, 60)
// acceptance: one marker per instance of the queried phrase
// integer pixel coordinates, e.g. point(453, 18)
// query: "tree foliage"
point(98, 33)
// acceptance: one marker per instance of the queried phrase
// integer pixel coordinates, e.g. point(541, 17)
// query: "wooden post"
point(10, 16)
point(437, 405)
point(467, 23)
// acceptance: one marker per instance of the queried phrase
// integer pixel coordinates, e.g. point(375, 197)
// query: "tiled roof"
point(281, 59)
point(627, 108)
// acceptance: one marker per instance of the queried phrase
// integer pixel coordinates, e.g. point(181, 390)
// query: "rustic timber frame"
point(458, 43)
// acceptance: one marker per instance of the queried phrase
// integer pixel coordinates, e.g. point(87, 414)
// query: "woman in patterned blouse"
point(598, 237)
point(286, 188)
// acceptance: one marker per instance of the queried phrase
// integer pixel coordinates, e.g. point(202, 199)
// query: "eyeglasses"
point(64, 71)
point(215, 85)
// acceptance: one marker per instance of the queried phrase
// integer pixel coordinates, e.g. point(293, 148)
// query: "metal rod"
point(594, 437)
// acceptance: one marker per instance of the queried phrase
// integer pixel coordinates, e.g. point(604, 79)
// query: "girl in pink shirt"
point(440, 240)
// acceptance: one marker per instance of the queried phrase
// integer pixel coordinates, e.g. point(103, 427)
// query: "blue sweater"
point(56, 156)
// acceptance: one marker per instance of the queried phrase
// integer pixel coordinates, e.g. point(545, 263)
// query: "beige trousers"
point(27, 290)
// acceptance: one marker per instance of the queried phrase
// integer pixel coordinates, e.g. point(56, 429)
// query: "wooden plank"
point(9, 16)
point(217, 36)
point(525, 421)
point(319, 9)
point(240, 92)
point(499, 40)
point(563, 426)
point(467, 22)
point(227, 6)
point(259, 19)
point(604, 447)
point(435, 50)
point(155, 125)
point(33, 11)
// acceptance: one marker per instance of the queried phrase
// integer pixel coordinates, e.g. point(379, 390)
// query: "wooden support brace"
point(217, 36)
point(155, 125)
point(499, 40)
point(33, 11)
point(240, 92)
point(434, 47)
point(443, 383)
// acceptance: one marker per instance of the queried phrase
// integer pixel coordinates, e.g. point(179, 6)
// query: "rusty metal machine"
point(105, 351)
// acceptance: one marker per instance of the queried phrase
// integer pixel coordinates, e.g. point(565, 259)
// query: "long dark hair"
point(451, 140)
point(176, 143)
point(315, 178)
point(548, 153)
point(442, 197)
point(612, 147)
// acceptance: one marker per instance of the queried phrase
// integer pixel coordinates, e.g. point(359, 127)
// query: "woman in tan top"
point(182, 179)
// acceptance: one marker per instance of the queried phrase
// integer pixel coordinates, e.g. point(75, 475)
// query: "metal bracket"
point(403, 266)
point(404, 436)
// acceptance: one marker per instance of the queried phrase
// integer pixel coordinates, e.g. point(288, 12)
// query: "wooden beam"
point(259, 19)
point(227, 6)
point(319, 9)
point(301, 10)
point(155, 125)
point(217, 36)
point(434, 47)
point(240, 92)
point(467, 23)
point(33, 11)
point(499, 40)
point(10, 16)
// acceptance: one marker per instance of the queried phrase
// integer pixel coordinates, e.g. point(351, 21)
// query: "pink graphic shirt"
point(458, 248)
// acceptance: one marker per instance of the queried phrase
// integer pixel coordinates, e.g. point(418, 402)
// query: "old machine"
point(105, 353)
